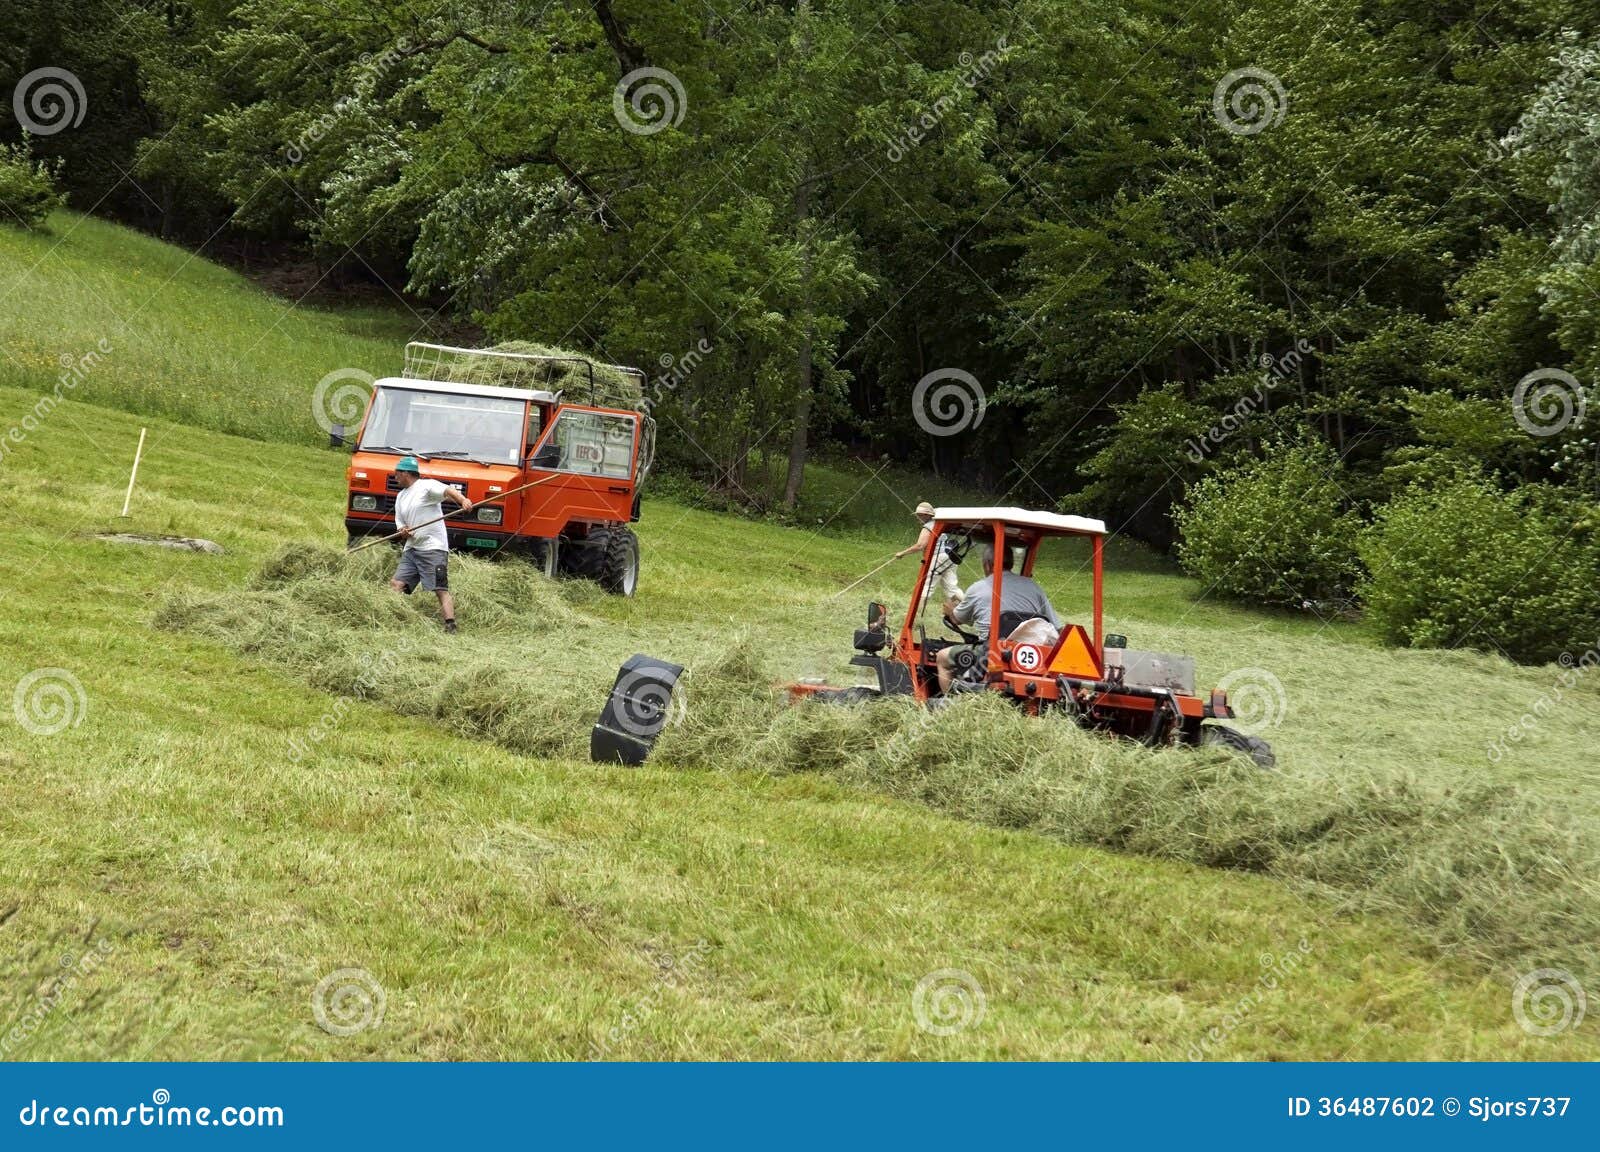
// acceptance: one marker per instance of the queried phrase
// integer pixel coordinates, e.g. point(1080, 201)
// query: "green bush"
point(1465, 564)
point(1272, 530)
point(27, 187)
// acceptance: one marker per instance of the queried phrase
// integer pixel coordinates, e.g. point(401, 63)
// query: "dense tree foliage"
point(1156, 236)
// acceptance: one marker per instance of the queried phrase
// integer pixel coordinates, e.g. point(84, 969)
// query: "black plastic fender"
point(635, 713)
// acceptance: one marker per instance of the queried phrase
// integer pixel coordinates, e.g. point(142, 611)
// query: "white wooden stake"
point(132, 476)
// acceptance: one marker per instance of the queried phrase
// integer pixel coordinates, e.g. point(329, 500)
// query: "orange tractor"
point(551, 450)
point(1071, 671)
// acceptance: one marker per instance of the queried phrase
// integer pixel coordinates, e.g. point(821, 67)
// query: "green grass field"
point(223, 823)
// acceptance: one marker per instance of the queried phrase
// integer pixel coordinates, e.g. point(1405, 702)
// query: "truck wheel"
point(1254, 747)
point(619, 569)
point(546, 556)
point(608, 556)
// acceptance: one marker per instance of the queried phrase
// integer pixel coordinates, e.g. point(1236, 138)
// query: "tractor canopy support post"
point(992, 657)
point(1099, 635)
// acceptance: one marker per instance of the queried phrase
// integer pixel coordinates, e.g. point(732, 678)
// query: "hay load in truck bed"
point(508, 365)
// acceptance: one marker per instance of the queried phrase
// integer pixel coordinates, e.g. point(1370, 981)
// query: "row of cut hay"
point(1488, 870)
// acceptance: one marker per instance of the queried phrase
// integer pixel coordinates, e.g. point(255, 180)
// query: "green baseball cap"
point(408, 464)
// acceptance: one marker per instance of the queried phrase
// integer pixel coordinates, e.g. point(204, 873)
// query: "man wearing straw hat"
point(419, 519)
point(943, 571)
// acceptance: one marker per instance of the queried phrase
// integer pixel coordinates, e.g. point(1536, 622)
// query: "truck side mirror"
point(336, 437)
point(877, 616)
point(548, 456)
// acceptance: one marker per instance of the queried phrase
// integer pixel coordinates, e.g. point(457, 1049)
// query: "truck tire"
point(547, 557)
point(608, 556)
point(619, 570)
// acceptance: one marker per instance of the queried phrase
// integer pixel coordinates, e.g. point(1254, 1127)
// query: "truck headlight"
point(490, 515)
point(364, 503)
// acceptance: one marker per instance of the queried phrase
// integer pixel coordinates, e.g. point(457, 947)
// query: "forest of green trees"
point(1308, 291)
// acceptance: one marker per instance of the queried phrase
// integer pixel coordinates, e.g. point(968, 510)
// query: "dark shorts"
point(430, 569)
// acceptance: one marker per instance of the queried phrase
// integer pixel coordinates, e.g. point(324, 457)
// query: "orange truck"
point(480, 421)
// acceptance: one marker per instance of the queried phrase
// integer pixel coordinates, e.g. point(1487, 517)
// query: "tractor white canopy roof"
point(1024, 517)
point(538, 396)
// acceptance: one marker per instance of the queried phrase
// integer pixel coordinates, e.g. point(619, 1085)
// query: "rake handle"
point(396, 534)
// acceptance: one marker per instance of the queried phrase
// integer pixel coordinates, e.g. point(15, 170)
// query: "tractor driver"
point(1020, 594)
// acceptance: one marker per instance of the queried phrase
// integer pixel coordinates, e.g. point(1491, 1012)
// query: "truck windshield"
point(484, 428)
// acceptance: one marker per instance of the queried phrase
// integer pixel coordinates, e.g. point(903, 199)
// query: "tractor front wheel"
point(1217, 736)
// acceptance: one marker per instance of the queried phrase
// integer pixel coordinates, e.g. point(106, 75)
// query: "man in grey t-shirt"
point(1019, 594)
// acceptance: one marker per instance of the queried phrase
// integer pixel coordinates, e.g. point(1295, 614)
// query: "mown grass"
point(523, 905)
point(516, 906)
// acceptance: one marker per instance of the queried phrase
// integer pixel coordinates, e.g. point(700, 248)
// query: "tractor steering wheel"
point(966, 637)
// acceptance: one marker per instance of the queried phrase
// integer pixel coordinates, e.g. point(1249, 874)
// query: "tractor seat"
point(1035, 630)
point(1012, 622)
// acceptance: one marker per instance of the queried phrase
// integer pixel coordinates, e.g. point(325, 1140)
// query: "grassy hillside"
point(182, 337)
point(237, 813)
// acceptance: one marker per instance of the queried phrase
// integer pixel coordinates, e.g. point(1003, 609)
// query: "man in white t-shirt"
point(425, 559)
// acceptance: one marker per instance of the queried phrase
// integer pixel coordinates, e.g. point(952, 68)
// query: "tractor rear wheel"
point(1232, 739)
